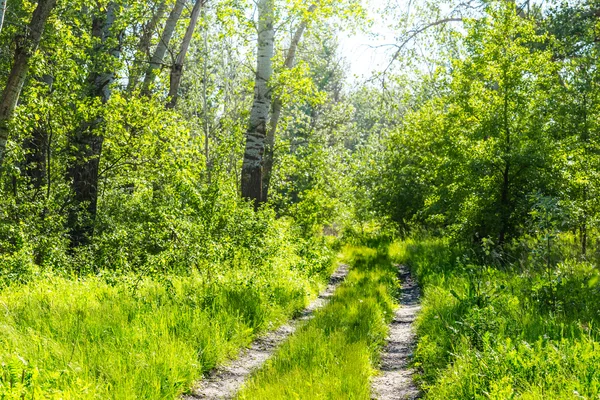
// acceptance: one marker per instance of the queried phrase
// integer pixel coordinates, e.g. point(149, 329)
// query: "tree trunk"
point(251, 180)
point(276, 110)
point(205, 108)
point(36, 148)
point(88, 139)
point(25, 48)
point(585, 137)
point(521, 11)
point(2, 13)
point(150, 28)
point(177, 69)
point(163, 45)
point(144, 44)
point(504, 205)
point(584, 238)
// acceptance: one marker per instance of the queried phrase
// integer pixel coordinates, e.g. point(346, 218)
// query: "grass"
point(335, 354)
point(142, 338)
point(504, 334)
point(511, 333)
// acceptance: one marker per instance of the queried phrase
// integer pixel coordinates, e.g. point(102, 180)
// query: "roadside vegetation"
point(133, 259)
point(130, 336)
point(492, 181)
point(501, 333)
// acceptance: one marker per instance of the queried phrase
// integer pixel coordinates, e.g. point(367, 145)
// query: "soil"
point(396, 378)
point(226, 381)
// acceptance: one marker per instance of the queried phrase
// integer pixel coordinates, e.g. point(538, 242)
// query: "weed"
point(144, 337)
point(504, 334)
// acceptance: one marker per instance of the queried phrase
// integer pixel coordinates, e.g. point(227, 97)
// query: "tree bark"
point(251, 180)
point(163, 45)
point(520, 10)
point(585, 136)
point(505, 209)
point(205, 108)
point(26, 47)
point(2, 13)
point(177, 69)
point(504, 205)
point(276, 110)
point(144, 43)
point(584, 238)
point(36, 153)
point(88, 139)
point(36, 148)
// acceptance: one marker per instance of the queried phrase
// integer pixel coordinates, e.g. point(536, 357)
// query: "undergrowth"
point(504, 333)
point(335, 354)
point(140, 336)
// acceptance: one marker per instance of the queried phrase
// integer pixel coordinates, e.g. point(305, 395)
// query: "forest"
point(203, 199)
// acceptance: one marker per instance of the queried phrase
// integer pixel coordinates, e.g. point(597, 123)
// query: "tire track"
point(224, 382)
point(396, 379)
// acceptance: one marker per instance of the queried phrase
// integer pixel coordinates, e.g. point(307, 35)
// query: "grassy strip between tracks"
point(334, 355)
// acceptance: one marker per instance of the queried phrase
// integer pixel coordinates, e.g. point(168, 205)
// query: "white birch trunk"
point(2, 13)
point(205, 106)
point(177, 69)
point(163, 45)
point(259, 115)
point(145, 40)
point(25, 49)
point(143, 46)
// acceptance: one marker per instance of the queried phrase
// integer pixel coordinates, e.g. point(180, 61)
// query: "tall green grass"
point(504, 334)
point(135, 337)
point(335, 354)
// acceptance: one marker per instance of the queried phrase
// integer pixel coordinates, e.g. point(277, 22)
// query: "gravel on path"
point(395, 381)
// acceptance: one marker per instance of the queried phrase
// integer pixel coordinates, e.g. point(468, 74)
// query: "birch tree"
point(252, 167)
point(143, 47)
point(2, 13)
point(163, 45)
point(177, 68)
point(26, 46)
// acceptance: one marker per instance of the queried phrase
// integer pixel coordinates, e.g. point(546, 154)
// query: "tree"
point(575, 51)
point(158, 57)
point(87, 140)
point(277, 108)
point(2, 12)
point(258, 157)
point(143, 46)
point(469, 159)
point(252, 168)
point(27, 44)
point(177, 68)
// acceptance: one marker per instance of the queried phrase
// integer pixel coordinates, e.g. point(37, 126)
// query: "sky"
point(363, 50)
point(366, 52)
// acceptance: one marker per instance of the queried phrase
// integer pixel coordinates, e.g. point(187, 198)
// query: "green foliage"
point(496, 148)
point(179, 272)
point(511, 115)
point(485, 333)
point(311, 181)
point(124, 335)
